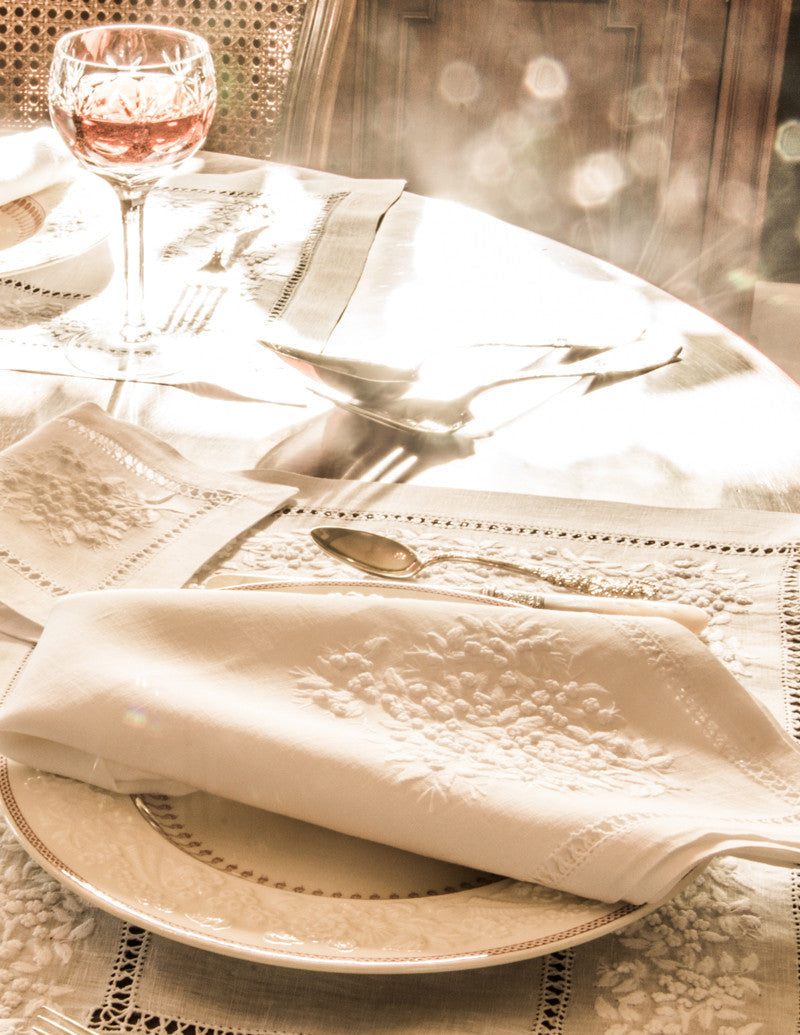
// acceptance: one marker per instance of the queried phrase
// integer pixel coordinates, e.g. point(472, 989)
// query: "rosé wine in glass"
point(128, 124)
point(131, 102)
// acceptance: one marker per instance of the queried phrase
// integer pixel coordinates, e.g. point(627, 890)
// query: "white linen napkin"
point(606, 757)
point(90, 502)
point(32, 161)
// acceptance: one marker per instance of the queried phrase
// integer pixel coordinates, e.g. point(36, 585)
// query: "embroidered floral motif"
point(40, 922)
point(201, 216)
point(486, 701)
point(690, 966)
point(58, 490)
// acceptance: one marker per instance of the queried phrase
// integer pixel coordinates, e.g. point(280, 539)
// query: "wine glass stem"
point(133, 323)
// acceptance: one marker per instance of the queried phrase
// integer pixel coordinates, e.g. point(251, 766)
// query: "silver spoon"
point(379, 555)
point(361, 379)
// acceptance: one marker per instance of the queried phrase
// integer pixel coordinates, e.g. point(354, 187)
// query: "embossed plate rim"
point(26, 215)
point(33, 252)
point(98, 813)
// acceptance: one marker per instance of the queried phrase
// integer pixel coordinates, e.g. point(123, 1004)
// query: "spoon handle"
point(600, 585)
point(693, 618)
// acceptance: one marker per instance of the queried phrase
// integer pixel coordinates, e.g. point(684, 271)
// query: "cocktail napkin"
point(606, 757)
point(32, 161)
point(88, 502)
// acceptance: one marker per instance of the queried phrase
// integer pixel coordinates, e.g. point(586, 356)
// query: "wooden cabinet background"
point(638, 130)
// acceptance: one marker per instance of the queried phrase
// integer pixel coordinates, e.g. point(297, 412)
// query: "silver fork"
point(198, 301)
point(50, 1022)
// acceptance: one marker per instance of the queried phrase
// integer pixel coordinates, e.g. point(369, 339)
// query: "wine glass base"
point(155, 357)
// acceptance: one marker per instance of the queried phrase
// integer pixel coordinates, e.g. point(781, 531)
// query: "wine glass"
point(131, 102)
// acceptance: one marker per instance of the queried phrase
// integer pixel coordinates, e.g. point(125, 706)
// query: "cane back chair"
point(277, 61)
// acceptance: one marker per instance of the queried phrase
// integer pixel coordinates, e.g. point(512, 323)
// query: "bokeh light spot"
point(544, 117)
point(647, 102)
point(649, 155)
point(528, 193)
point(787, 140)
point(490, 161)
point(514, 129)
point(546, 78)
point(596, 180)
point(460, 83)
point(742, 279)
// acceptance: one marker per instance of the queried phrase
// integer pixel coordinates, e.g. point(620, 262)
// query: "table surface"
point(719, 428)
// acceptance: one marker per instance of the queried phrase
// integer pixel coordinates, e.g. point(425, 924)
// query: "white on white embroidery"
point(690, 966)
point(483, 702)
point(40, 922)
point(58, 490)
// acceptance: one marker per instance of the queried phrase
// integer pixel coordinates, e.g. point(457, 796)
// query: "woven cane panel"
point(252, 42)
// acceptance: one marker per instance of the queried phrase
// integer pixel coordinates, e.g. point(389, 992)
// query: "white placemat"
point(294, 243)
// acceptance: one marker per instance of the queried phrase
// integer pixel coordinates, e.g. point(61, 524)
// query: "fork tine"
point(195, 306)
point(179, 309)
point(208, 306)
point(50, 1022)
point(205, 302)
point(199, 298)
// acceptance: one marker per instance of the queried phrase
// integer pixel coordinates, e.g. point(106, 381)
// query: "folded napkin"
point(32, 161)
point(90, 502)
point(605, 757)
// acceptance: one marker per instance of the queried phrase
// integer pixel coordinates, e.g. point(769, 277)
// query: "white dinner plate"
point(58, 223)
point(250, 884)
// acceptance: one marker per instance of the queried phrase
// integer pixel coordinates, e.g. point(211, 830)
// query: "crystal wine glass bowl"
point(131, 103)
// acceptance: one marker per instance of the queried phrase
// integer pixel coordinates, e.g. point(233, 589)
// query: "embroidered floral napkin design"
point(606, 757)
point(88, 502)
